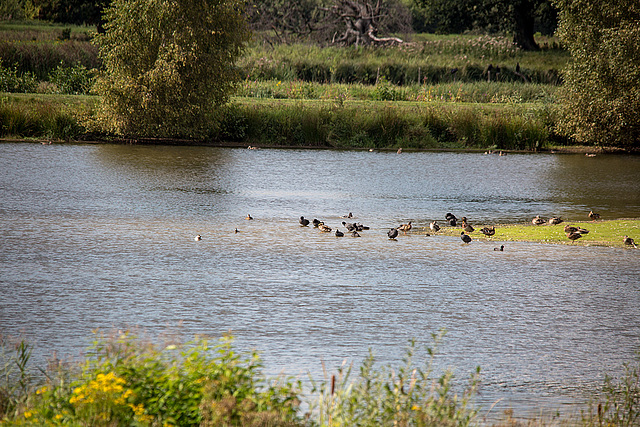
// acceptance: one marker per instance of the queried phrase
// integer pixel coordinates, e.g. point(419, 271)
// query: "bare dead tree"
point(361, 20)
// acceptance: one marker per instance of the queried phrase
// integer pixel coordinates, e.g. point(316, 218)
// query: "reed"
point(335, 122)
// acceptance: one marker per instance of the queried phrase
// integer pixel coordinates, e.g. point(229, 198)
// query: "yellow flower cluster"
point(103, 384)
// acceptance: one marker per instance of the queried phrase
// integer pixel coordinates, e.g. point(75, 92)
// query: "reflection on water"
point(102, 236)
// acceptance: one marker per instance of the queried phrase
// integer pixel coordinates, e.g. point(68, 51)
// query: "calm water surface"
point(101, 236)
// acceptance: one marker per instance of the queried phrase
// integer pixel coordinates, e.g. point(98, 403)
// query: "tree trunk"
point(523, 25)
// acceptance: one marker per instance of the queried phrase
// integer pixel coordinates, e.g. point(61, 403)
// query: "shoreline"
point(577, 149)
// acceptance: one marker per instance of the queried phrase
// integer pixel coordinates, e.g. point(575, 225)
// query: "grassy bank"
point(332, 122)
point(601, 233)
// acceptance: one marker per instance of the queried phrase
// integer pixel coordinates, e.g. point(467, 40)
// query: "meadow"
point(433, 92)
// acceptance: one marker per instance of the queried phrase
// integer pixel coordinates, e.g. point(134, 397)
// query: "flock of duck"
point(354, 228)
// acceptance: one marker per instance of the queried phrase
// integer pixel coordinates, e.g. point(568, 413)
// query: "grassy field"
point(601, 233)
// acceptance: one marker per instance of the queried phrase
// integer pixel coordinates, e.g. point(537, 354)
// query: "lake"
point(102, 237)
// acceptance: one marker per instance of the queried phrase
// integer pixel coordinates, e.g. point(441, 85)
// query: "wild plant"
point(407, 396)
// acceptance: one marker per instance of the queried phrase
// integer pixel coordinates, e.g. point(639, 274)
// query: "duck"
point(303, 221)
point(467, 227)
point(501, 248)
point(249, 217)
point(452, 221)
point(405, 227)
point(339, 233)
point(197, 238)
point(538, 221)
point(434, 226)
point(449, 215)
point(488, 231)
point(629, 241)
point(349, 227)
point(316, 222)
point(555, 220)
point(350, 215)
point(465, 237)
point(570, 229)
point(324, 228)
point(237, 231)
point(574, 236)
point(355, 234)
point(360, 227)
point(392, 233)
point(594, 216)
point(582, 230)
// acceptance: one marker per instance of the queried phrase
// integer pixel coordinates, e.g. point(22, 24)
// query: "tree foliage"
point(80, 12)
point(168, 63)
point(602, 84)
point(522, 18)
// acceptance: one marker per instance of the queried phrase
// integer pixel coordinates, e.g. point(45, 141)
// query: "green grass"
point(601, 233)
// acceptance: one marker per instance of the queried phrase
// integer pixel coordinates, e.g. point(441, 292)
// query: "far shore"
point(570, 149)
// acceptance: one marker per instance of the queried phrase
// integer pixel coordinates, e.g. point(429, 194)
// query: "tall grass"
point(332, 122)
point(437, 60)
point(478, 92)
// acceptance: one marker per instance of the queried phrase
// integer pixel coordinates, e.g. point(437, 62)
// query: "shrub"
point(130, 381)
point(12, 81)
point(76, 80)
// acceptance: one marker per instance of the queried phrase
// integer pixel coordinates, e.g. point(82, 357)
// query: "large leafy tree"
point(601, 97)
point(168, 64)
point(522, 18)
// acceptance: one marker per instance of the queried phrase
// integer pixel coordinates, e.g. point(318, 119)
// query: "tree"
point(363, 20)
point(79, 12)
point(285, 19)
point(601, 97)
point(168, 63)
point(522, 18)
point(345, 22)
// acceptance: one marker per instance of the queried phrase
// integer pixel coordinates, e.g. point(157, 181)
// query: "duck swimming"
point(248, 217)
point(355, 234)
point(501, 248)
point(349, 227)
point(324, 228)
point(392, 233)
point(316, 222)
point(594, 216)
point(465, 237)
point(303, 221)
point(339, 233)
point(197, 238)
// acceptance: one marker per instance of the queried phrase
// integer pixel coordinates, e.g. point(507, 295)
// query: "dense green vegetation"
point(130, 380)
point(166, 97)
point(601, 99)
